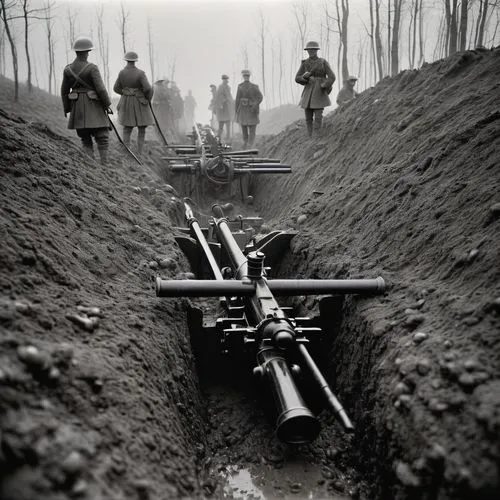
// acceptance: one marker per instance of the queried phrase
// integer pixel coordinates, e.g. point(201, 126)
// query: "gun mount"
point(254, 320)
point(209, 159)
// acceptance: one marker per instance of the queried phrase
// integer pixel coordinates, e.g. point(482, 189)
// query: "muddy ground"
point(108, 403)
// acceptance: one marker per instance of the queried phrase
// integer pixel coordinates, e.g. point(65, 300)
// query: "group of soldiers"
point(85, 98)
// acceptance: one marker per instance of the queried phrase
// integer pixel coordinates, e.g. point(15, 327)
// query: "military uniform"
point(224, 107)
point(85, 98)
point(189, 108)
point(248, 99)
point(317, 87)
point(346, 94)
point(136, 93)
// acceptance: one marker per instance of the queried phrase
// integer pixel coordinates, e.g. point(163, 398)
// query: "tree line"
point(372, 40)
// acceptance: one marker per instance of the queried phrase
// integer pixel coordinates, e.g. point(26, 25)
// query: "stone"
point(406, 475)
point(419, 337)
point(301, 219)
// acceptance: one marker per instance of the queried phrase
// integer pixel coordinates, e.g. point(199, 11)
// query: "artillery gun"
point(208, 159)
point(254, 321)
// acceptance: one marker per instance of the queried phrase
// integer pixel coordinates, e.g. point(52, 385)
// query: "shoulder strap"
point(77, 76)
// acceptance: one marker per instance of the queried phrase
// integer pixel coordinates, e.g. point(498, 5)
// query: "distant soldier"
point(177, 103)
point(136, 93)
point(318, 78)
point(212, 105)
point(347, 92)
point(189, 109)
point(85, 98)
point(224, 105)
point(248, 99)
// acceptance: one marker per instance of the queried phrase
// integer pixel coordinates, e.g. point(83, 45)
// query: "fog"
point(195, 41)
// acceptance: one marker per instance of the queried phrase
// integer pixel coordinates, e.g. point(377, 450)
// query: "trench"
point(243, 457)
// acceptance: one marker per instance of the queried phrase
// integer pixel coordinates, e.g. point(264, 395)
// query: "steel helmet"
point(352, 77)
point(311, 45)
point(224, 77)
point(82, 44)
point(131, 56)
point(245, 72)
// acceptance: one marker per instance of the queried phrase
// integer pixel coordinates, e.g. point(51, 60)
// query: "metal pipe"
point(211, 288)
point(295, 423)
point(325, 389)
point(263, 169)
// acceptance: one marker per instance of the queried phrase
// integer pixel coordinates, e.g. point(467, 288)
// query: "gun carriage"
point(253, 321)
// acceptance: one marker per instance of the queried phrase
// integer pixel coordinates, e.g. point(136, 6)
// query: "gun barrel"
point(203, 288)
point(317, 287)
point(295, 423)
point(264, 169)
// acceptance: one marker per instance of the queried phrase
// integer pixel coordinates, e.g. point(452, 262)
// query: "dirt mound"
point(99, 402)
point(405, 184)
point(273, 121)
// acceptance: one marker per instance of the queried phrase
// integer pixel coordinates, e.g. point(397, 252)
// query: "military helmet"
point(312, 45)
point(352, 77)
point(131, 56)
point(224, 77)
point(246, 72)
point(82, 44)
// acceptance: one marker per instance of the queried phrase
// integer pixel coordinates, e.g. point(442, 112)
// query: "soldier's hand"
point(307, 74)
point(109, 111)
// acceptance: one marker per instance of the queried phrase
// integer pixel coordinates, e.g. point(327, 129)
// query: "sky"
point(196, 41)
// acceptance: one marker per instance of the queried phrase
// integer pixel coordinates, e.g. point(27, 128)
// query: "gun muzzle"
point(295, 423)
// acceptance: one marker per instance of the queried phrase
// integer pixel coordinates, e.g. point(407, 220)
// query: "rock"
point(33, 357)
point(153, 264)
point(472, 255)
point(437, 406)
point(402, 388)
point(419, 337)
point(413, 320)
point(471, 365)
point(90, 311)
point(405, 474)
point(295, 487)
point(88, 324)
point(423, 366)
point(301, 219)
point(471, 320)
point(265, 229)
point(167, 263)
point(79, 488)
point(73, 464)
point(448, 344)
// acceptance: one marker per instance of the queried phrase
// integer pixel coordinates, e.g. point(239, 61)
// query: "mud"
point(114, 402)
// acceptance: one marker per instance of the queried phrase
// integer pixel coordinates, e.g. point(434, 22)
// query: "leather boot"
point(103, 153)
point(309, 129)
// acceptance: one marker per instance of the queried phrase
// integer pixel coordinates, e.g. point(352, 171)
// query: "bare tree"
point(301, 14)
point(103, 43)
point(342, 19)
point(69, 32)
point(395, 37)
point(464, 16)
point(244, 55)
point(171, 69)
point(378, 41)
point(2, 49)
point(5, 6)
point(151, 51)
point(123, 24)
point(49, 29)
point(280, 81)
point(262, 45)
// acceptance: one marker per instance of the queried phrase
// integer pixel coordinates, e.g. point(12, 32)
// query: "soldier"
point(224, 104)
point(347, 92)
point(162, 106)
point(318, 78)
point(212, 105)
point(177, 108)
point(248, 99)
point(189, 109)
point(85, 98)
point(136, 93)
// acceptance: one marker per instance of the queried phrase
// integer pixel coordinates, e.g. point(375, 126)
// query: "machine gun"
point(256, 322)
point(209, 159)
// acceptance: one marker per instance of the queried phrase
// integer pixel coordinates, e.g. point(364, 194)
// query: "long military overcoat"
point(248, 99)
point(136, 92)
point(88, 109)
point(318, 85)
point(224, 103)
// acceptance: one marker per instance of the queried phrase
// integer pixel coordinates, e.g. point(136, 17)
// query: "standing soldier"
point(177, 108)
point(213, 105)
point(347, 92)
point(318, 78)
point(136, 93)
point(162, 107)
point(85, 98)
point(248, 99)
point(189, 108)
point(224, 104)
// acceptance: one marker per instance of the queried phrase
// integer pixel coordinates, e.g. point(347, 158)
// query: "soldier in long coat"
point(318, 78)
point(224, 107)
point(85, 98)
point(136, 93)
point(248, 99)
point(189, 109)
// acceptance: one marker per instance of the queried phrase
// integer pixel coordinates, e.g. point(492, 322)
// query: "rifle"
point(121, 141)
point(157, 124)
point(255, 321)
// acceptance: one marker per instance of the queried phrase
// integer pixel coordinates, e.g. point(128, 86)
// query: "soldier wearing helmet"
point(317, 78)
point(136, 93)
point(347, 92)
point(224, 106)
point(85, 98)
point(248, 99)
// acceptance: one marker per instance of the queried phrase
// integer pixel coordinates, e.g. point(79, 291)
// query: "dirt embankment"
point(93, 403)
point(405, 184)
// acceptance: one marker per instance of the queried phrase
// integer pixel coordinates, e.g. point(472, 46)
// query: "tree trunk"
point(344, 38)
point(464, 11)
point(26, 43)
point(378, 41)
point(395, 37)
point(13, 49)
point(482, 23)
